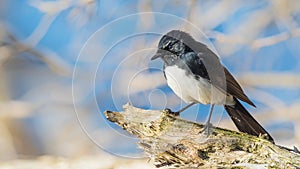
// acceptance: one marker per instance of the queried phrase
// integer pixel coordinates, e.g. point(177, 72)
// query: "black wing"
point(210, 67)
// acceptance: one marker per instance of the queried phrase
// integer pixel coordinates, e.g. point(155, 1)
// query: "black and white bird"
point(196, 75)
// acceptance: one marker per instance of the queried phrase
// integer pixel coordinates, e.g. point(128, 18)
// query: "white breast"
point(191, 90)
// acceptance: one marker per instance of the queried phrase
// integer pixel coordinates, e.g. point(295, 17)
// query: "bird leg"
point(181, 110)
point(208, 124)
point(186, 107)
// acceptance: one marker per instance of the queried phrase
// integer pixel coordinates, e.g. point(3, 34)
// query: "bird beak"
point(157, 55)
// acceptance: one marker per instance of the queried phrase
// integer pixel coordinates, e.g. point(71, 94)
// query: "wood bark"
point(171, 141)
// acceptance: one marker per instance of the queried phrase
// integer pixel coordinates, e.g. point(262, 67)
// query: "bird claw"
point(207, 130)
point(169, 111)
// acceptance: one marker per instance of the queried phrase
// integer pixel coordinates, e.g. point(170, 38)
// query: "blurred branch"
point(272, 40)
point(292, 114)
point(14, 47)
point(3, 87)
point(174, 142)
point(7, 148)
point(191, 10)
point(258, 43)
point(272, 79)
point(35, 37)
point(80, 12)
point(15, 109)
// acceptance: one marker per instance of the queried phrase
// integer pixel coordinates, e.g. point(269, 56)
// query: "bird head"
point(172, 45)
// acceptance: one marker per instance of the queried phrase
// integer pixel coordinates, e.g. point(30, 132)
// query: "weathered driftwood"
point(174, 142)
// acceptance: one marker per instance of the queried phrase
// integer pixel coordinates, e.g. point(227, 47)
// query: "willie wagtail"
point(196, 75)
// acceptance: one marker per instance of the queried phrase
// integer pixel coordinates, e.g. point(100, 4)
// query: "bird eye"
point(176, 47)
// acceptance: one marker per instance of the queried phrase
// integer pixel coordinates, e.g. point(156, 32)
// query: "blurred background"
point(62, 63)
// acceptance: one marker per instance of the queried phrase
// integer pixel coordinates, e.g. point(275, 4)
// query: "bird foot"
point(169, 111)
point(207, 130)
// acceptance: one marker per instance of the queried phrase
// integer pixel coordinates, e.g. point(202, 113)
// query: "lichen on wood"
point(174, 142)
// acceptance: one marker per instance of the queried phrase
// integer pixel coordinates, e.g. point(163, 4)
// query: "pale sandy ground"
point(86, 162)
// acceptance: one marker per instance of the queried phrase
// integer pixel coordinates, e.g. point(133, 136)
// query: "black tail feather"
point(244, 121)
